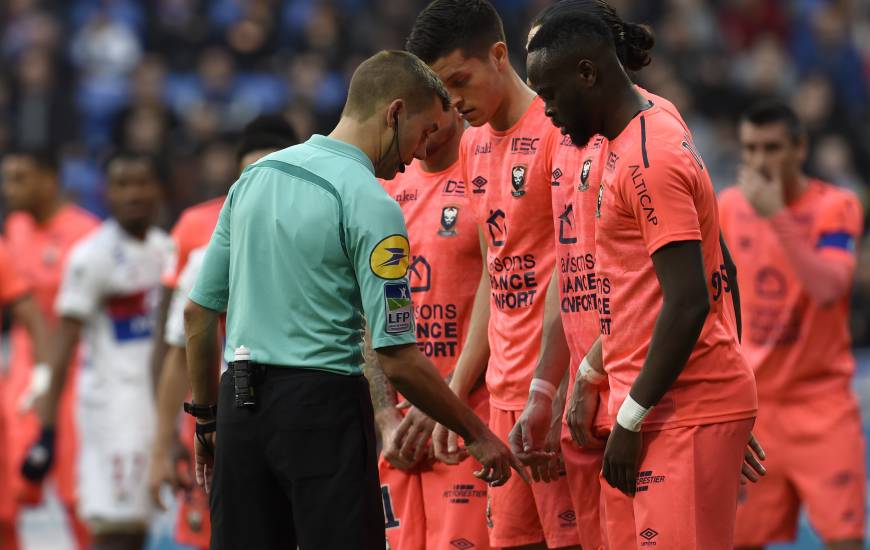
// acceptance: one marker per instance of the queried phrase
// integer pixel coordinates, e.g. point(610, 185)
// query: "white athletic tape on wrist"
point(542, 386)
point(589, 374)
point(631, 414)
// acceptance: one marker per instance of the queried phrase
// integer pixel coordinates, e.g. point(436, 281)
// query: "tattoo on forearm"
point(382, 392)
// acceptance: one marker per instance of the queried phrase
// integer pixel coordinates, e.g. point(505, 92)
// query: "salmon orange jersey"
point(40, 252)
point(12, 285)
point(508, 175)
point(655, 191)
point(192, 230)
point(795, 346)
point(445, 261)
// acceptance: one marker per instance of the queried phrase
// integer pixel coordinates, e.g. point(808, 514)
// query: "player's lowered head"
point(632, 41)
point(30, 182)
point(772, 140)
point(394, 104)
point(262, 136)
point(464, 43)
point(573, 66)
point(134, 191)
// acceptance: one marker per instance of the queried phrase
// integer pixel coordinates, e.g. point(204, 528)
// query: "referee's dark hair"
point(771, 111)
point(266, 132)
point(471, 26)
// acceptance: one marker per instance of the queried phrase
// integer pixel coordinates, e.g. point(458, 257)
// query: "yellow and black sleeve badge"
point(389, 258)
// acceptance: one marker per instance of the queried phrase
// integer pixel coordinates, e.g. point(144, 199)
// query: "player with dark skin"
point(587, 92)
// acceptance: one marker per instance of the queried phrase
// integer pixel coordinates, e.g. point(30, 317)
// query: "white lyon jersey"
point(112, 285)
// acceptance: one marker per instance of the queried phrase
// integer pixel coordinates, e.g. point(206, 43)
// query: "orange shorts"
point(439, 506)
point(582, 467)
point(686, 490)
point(816, 460)
point(521, 514)
point(193, 520)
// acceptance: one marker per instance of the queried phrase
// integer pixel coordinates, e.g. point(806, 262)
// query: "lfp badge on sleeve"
point(397, 306)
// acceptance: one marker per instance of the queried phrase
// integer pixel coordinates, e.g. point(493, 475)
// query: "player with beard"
point(505, 163)
point(428, 503)
point(576, 176)
point(655, 201)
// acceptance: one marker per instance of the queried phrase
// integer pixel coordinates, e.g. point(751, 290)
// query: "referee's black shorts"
point(300, 468)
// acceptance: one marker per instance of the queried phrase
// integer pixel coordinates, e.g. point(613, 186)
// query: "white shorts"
point(116, 438)
point(113, 485)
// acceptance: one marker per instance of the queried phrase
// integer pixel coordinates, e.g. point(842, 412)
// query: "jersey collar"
point(342, 148)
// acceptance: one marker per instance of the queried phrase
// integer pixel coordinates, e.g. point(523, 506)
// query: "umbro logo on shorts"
point(462, 544)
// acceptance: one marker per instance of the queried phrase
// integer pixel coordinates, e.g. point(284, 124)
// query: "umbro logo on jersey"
point(524, 145)
point(479, 184)
point(449, 217)
point(557, 173)
point(518, 180)
point(497, 227)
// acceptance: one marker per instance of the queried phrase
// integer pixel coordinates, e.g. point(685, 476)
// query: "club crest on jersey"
point(479, 184)
point(557, 173)
point(600, 198)
point(397, 307)
point(584, 175)
point(518, 180)
point(389, 258)
point(449, 217)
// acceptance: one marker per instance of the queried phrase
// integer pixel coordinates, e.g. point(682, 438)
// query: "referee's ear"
point(393, 110)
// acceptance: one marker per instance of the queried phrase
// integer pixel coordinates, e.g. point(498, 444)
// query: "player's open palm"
point(496, 460)
point(621, 458)
point(203, 450)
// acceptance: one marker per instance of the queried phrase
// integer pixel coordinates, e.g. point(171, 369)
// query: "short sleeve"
point(12, 285)
point(379, 249)
point(661, 198)
point(840, 224)
point(80, 292)
point(212, 287)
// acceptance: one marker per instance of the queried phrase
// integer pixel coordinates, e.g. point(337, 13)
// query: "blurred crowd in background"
point(178, 78)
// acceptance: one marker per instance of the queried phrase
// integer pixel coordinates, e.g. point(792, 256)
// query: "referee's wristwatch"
point(203, 412)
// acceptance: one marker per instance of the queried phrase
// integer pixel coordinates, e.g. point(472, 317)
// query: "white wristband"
point(631, 414)
point(542, 386)
point(589, 374)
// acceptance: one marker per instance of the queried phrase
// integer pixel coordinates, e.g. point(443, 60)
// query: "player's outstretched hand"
point(530, 439)
point(446, 446)
point(621, 457)
point(496, 459)
point(582, 406)
point(203, 450)
point(40, 457)
point(752, 469)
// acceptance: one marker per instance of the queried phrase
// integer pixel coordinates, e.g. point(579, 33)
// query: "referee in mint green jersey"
point(308, 251)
